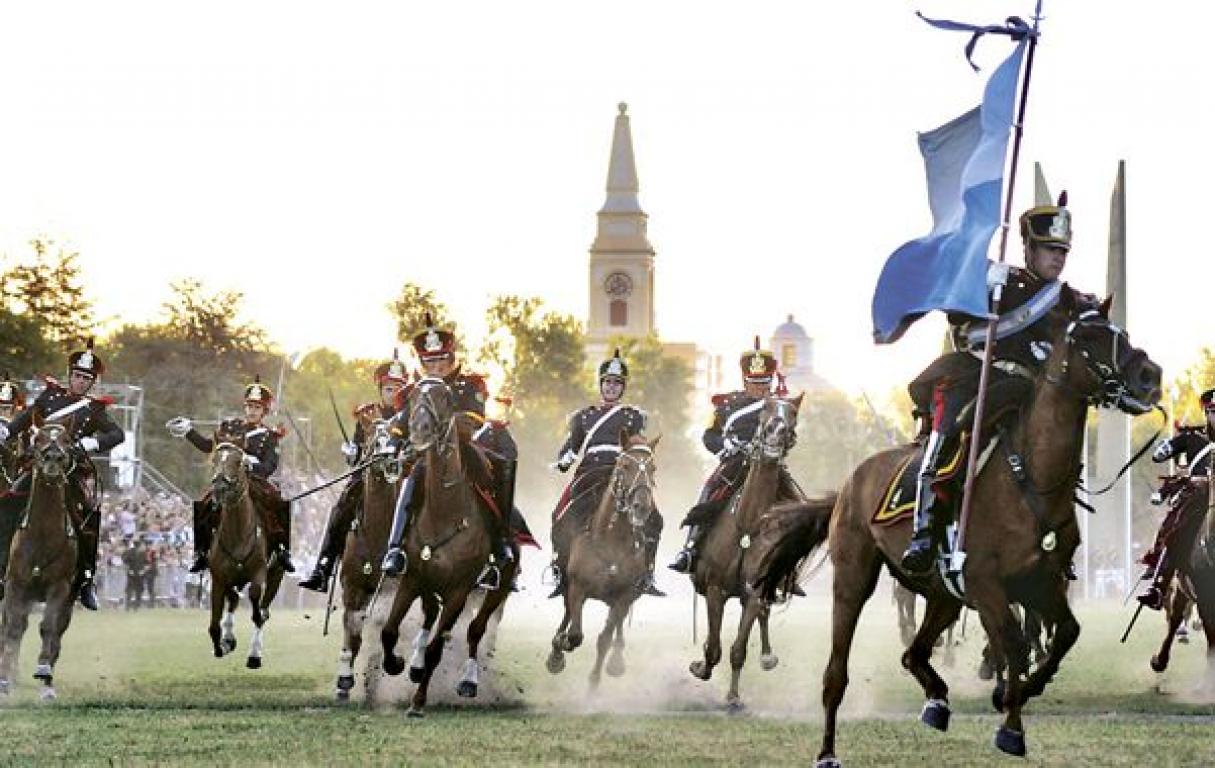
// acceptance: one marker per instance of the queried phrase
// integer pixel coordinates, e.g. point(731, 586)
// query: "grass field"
point(142, 689)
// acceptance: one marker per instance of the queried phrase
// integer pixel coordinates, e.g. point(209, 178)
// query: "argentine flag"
point(964, 162)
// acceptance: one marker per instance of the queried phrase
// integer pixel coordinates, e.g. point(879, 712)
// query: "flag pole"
point(972, 460)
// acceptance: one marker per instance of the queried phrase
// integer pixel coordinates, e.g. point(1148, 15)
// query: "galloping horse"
point(240, 553)
point(608, 561)
point(726, 567)
point(1194, 542)
point(1019, 552)
point(43, 560)
point(447, 543)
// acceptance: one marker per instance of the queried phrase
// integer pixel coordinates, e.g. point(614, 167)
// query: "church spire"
point(622, 183)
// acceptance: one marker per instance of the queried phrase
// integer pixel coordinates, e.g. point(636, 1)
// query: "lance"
point(959, 554)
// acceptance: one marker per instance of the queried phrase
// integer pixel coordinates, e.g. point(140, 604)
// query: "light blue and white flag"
point(964, 162)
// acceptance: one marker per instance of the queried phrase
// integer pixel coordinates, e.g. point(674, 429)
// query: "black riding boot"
point(648, 587)
point(202, 536)
point(921, 551)
point(504, 499)
point(685, 561)
point(86, 558)
point(394, 559)
point(334, 541)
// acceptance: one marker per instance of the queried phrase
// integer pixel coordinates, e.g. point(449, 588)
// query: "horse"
point(726, 567)
point(608, 561)
point(1194, 541)
point(240, 554)
point(42, 565)
point(447, 543)
point(1020, 551)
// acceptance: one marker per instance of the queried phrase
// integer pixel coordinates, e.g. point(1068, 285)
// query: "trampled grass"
point(142, 689)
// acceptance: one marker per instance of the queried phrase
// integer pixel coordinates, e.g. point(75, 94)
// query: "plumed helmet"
point(259, 393)
point(758, 365)
point(86, 361)
point(1048, 224)
point(434, 344)
point(614, 366)
point(393, 370)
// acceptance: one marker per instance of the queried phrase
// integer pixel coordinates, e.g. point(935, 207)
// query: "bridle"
point(426, 404)
point(775, 435)
point(1112, 391)
point(229, 489)
point(626, 489)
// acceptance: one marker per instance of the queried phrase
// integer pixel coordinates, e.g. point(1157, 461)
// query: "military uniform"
point(260, 444)
point(92, 431)
point(12, 402)
point(951, 382)
point(594, 442)
point(342, 517)
point(1192, 447)
point(735, 421)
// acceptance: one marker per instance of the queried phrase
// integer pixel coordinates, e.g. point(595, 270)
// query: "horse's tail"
point(796, 530)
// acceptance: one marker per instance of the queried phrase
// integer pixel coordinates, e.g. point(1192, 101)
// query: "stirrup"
point(200, 563)
point(394, 563)
point(684, 561)
point(88, 595)
point(317, 581)
point(558, 580)
point(490, 578)
point(920, 555)
point(648, 587)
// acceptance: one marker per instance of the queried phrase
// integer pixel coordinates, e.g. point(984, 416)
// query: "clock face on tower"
point(618, 285)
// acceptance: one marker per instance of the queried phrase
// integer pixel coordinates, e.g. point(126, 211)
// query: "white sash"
point(752, 408)
point(1200, 456)
point(67, 410)
point(595, 427)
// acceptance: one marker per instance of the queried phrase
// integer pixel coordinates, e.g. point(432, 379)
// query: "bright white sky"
point(315, 156)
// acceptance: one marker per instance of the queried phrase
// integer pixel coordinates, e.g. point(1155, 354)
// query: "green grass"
point(142, 689)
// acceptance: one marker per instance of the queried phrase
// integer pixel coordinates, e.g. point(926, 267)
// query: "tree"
point(410, 308)
point(50, 288)
point(24, 350)
point(209, 321)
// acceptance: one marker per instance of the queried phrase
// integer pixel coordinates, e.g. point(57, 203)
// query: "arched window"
point(788, 356)
point(618, 313)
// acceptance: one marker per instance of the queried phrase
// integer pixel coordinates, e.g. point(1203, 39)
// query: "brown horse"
point(726, 566)
point(42, 563)
point(1019, 547)
point(1194, 543)
point(447, 544)
point(239, 554)
point(608, 561)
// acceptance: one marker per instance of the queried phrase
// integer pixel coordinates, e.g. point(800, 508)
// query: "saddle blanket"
point(898, 502)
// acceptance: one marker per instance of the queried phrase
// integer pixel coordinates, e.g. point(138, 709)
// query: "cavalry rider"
point(1197, 457)
point(390, 379)
point(436, 349)
point(260, 444)
point(92, 431)
point(951, 382)
point(735, 422)
point(12, 402)
point(593, 444)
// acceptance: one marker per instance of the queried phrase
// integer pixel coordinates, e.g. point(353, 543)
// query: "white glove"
point(179, 426)
point(350, 451)
point(1156, 499)
point(90, 444)
point(730, 446)
point(565, 462)
point(3, 432)
point(1163, 451)
point(997, 274)
point(251, 461)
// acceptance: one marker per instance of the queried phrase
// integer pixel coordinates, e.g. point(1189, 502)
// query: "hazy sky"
point(316, 156)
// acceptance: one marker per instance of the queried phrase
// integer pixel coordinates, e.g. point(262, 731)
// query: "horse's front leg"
point(494, 599)
point(218, 597)
point(354, 602)
point(615, 618)
point(1053, 609)
point(1009, 652)
point(256, 587)
point(391, 631)
point(1174, 616)
point(715, 604)
point(767, 659)
point(575, 599)
point(556, 657)
point(55, 619)
point(752, 607)
point(453, 605)
point(417, 659)
point(940, 612)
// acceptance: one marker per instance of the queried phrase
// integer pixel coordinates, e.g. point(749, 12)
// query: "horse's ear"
point(797, 401)
point(624, 438)
point(1067, 301)
point(1106, 306)
point(654, 442)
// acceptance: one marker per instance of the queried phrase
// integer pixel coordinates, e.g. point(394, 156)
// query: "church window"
point(618, 313)
point(788, 356)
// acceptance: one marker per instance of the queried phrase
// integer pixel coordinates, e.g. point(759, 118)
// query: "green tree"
point(24, 350)
point(210, 321)
point(50, 288)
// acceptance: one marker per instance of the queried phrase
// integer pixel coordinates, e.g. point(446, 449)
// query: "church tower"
point(621, 300)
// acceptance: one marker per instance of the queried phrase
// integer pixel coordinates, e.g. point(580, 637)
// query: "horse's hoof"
point(345, 683)
point(700, 670)
point(768, 662)
point(254, 662)
point(43, 672)
point(229, 644)
point(393, 664)
point(829, 762)
point(935, 714)
point(997, 696)
point(414, 713)
point(735, 706)
point(47, 694)
point(416, 674)
point(466, 689)
point(1158, 665)
point(985, 670)
point(555, 662)
point(1010, 742)
point(615, 667)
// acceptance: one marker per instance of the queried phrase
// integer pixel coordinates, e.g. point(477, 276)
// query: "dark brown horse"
point(1194, 545)
point(447, 544)
point(608, 561)
point(42, 562)
point(1018, 547)
point(726, 567)
point(240, 553)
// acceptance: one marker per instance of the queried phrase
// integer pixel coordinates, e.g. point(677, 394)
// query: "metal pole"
point(973, 458)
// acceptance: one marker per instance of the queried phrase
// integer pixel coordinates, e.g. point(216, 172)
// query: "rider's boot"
point(282, 553)
point(685, 561)
point(558, 574)
point(333, 542)
point(504, 499)
point(648, 587)
point(318, 580)
point(921, 552)
point(202, 537)
point(86, 560)
point(394, 559)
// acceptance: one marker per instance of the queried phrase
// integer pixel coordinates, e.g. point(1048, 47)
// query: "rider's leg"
point(408, 500)
point(653, 533)
point(686, 559)
point(88, 535)
point(334, 541)
point(204, 523)
point(921, 551)
point(282, 513)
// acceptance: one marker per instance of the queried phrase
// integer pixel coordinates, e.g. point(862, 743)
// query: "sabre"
point(329, 602)
point(355, 469)
point(375, 595)
point(338, 416)
point(1164, 552)
point(1130, 626)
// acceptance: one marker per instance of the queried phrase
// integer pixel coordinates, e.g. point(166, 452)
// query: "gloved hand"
point(1156, 499)
point(3, 432)
point(179, 426)
point(251, 461)
point(565, 462)
point(1163, 451)
point(90, 444)
point(730, 446)
point(351, 453)
point(997, 274)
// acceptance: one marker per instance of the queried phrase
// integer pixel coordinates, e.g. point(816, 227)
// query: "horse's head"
point(52, 452)
point(228, 476)
point(1100, 364)
point(777, 429)
point(633, 480)
point(380, 443)
point(431, 409)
